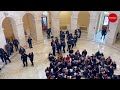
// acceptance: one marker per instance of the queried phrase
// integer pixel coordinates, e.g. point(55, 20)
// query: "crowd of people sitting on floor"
point(80, 65)
point(77, 65)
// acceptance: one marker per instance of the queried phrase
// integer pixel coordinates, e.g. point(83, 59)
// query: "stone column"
point(91, 29)
point(39, 32)
point(55, 27)
point(74, 24)
point(21, 34)
point(111, 35)
point(2, 38)
point(48, 25)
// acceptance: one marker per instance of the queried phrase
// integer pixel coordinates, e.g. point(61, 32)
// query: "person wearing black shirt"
point(84, 53)
point(63, 44)
point(11, 46)
point(31, 57)
point(24, 59)
point(53, 48)
point(6, 57)
point(16, 43)
point(79, 35)
point(104, 32)
point(69, 45)
point(30, 42)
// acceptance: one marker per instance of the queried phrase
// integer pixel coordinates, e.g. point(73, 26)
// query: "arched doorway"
point(9, 27)
point(65, 20)
point(46, 21)
point(29, 26)
point(102, 23)
point(83, 20)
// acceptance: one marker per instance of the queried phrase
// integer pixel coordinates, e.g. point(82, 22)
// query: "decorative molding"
point(6, 13)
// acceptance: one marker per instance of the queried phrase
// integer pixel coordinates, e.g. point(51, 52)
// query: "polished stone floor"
point(15, 70)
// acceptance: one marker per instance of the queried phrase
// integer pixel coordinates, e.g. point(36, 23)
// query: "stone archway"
point(65, 20)
point(29, 26)
point(83, 20)
point(9, 28)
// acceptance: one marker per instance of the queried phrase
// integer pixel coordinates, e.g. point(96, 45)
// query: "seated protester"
point(108, 61)
point(60, 56)
point(97, 54)
point(114, 65)
point(84, 53)
point(68, 59)
point(71, 51)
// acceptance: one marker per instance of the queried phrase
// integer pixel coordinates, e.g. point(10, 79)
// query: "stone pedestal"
point(2, 38)
point(111, 35)
point(39, 32)
point(55, 27)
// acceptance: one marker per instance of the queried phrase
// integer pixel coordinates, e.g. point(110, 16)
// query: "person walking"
point(31, 57)
point(24, 59)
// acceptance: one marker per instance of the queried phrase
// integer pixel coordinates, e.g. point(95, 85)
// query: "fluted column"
point(2, 38)
point(92, 28)
point(39, 32)
point(74, 25)
point(20, 34)
point(55, 27)
point(111, 35)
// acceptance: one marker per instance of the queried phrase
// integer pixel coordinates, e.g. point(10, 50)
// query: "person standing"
point(104, 32)
point(6, 57)
point(16, 43)
point(11, 46)
point(22, 50)
point(69, 45)
point(30, 42)
point(31, 57)
point(53, 48)
point(8, 49)
point(63, 44)
point(24, 59)
point(79, 35)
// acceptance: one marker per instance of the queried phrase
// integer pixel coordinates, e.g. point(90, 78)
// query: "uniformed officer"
point(30, 42)
point(31, 57)
point(24, 59)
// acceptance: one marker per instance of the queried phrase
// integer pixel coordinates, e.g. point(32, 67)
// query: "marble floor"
point(15, 69)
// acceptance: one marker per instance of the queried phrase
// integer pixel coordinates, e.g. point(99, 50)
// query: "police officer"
point(24, 59)
point(75, 40)
point(58, 45)
point(31, 57)
point(16, 43)
point(8, 49)
point(30, 42)
point(63, 44)
point(1, 54)
point(56, 40)
point(53, 48)
point(11, 46)
point(69, 45)
point(22, 50)
point(6, 57)
point(79, 31)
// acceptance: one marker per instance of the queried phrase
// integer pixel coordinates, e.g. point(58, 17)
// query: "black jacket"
point(24, 57)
